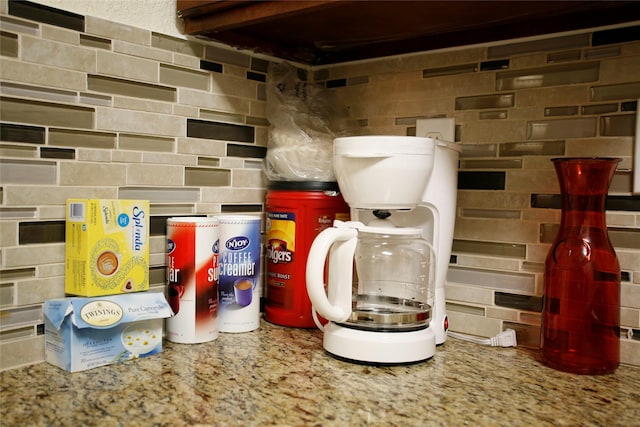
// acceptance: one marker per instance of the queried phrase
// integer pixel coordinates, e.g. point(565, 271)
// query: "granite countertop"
point(282, 376)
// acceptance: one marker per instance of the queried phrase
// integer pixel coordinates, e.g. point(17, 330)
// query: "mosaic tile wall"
point(91, 108)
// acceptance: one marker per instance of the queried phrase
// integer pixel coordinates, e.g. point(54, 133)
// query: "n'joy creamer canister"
point(192, 276)
point(240, 289)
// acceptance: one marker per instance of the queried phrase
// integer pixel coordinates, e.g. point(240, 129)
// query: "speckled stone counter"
point(282, 376)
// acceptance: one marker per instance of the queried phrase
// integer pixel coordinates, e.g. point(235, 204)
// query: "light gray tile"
point(24, 352)
point(494, 115)
point(504, 281)
point(38, 92)
point(125, 87)
point(489, 248)
point(19, 26)
point(184, 77)
point(21, 316)
point(490, 164)
point(228, 56)
point(562, 128)
point(27, 172)
point(463, 308)
point(159, 194)
point(450, 70)
point(207, 177)
point(13, 213)
point(561, 111)
point(553, 75)
point(564, 56)
point(619, 125)
point(602, 52)
point(555, 43)
point(615, 91)
point(145, 143)
point(479, 150)
point(532, 148)
point(501, 100)
point(80, 138)
point(46, 113)
point(490, 213)
point(59, 55)
point(7, 294)
point(599, 109)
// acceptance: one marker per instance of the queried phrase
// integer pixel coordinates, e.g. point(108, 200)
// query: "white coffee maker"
point(402, 195)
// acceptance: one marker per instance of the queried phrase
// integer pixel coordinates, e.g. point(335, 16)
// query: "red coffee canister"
point(296, 213)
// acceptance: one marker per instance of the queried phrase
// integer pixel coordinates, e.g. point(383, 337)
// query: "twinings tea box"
point(107, 247)
point(83, 333)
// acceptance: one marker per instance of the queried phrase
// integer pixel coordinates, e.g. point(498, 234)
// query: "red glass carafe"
point(580, 330)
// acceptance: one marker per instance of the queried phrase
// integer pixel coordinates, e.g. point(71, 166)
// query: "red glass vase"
point(580, 329)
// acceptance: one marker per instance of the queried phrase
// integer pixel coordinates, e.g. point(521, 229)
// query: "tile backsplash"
point(92, 108)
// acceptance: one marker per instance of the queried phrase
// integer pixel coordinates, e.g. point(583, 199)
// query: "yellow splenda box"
point(107, 247)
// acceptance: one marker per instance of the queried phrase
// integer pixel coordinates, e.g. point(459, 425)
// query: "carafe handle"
point(339, 243)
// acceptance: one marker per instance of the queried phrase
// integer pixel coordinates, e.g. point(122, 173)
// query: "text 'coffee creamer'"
point(192, 276)
point(240, 289)
point(106, 247)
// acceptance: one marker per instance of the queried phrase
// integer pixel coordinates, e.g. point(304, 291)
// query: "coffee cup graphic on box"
point(243, 290)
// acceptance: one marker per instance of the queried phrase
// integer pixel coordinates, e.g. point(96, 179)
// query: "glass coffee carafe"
point(395, 272)
point(393, 289)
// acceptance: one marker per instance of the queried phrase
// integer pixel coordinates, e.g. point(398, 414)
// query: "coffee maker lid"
point(377, 228)
point(383, 145)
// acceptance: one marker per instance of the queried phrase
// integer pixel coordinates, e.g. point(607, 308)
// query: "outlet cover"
point(443, 129)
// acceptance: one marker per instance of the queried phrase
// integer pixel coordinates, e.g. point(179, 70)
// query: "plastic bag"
point(300, 142)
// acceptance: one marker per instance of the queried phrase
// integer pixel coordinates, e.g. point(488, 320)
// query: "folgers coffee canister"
point(296, 213)
point(192, 275)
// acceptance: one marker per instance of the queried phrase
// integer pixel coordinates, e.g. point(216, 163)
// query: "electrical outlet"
point(443, 129)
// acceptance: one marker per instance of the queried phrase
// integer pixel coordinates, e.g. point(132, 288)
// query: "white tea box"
point(84, 333)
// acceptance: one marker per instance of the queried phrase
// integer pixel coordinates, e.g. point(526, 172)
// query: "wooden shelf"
point(326, 32)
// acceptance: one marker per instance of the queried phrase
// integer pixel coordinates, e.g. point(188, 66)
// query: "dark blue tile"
point(614, 203)
point(260, 65)
point(616, 35)
point(221, 131)
point(21, 133)
point(237, 150)
point(629, 106)
point(240, 208)
point(501, 64)
point(336, 83)
point(46, 15)
point(41, 232)
point(519, 302)
point(256, 76)
point(481, 180)
point(57, 153)
point(210, 66)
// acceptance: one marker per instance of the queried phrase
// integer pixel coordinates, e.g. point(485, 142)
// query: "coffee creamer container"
point(240, 289)
point(192, 278)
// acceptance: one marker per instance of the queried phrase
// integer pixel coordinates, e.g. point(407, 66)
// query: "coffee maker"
point(402, 195)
